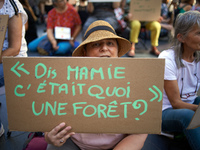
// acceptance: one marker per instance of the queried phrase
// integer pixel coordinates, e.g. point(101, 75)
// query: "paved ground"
point(153, 142)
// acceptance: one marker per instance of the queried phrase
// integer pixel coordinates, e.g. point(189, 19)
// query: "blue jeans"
point(1, 75)
point(177, 120)
point(32, 46)
point(64, 46)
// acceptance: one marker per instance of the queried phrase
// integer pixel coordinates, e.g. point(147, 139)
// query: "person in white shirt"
point(182, 78)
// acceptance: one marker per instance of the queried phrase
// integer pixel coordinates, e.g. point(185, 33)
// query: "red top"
point(70, 18)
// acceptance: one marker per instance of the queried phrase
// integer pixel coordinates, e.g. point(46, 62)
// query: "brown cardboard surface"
point(195, 122)
point(145, 10)
point(98, 95)
point(3, 27)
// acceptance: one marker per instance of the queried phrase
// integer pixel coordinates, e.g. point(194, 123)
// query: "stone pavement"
point(153, 142)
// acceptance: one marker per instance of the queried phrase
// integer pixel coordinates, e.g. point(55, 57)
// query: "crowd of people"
point(98, 26)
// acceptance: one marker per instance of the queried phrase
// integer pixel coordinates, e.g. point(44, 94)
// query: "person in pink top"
point(100, 40)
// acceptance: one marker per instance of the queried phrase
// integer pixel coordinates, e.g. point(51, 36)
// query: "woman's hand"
point(160, 19)
point(54, 44)
point(59, 135)
point(71, 42)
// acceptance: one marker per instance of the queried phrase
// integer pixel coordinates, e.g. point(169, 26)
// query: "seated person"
point(184, 5)
point(63, 15)
point(30, 26)
point(196, 6)
point(12, 46)
point(167, 19)
point(82, 10)
point(182, 78)
point(135, 26)
point(100, 41)
point(102, 11)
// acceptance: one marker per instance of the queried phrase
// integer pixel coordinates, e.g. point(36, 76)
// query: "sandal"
point(131, 53)
point(155, 51)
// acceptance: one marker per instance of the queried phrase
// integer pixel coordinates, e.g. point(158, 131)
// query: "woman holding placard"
point(63, 26)
point(100, 40)
point(182, 78)
point(14, 43)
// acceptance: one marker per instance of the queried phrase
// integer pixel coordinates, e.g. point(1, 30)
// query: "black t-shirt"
point(31, 32)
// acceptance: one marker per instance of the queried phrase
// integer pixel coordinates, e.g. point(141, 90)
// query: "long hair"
point(185, 22)
point(26, 4)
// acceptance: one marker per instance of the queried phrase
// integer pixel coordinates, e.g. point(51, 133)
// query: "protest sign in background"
point(93, 95)
point(145, 10)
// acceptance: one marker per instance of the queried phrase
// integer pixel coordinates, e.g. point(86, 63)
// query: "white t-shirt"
point(190, 80)
point(8, 9)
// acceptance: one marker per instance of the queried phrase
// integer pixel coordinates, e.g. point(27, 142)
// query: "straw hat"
point(100, 30)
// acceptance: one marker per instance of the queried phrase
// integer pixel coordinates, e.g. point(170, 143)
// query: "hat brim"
point(123, 45)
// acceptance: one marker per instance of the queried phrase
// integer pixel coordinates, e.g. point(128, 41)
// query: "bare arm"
point(132, 142)
point(76, 31)
point(51, 38)
point(123, 4)
point(75, 34)
point(172, 91)
point(90, 7)
point(14, 36)
point(116, 4)
point(187, 8)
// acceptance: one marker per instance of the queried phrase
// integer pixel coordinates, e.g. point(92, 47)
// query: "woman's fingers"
point(59, 134)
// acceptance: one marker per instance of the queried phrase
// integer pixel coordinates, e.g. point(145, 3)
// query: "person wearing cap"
point(100, 40)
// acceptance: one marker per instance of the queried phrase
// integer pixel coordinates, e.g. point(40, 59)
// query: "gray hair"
point(185, 22)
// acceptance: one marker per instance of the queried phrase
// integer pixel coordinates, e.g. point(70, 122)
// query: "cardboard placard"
point(145, 10)
point(195, 122)
point(3, 27)
point(93, 95)
point(104, 1)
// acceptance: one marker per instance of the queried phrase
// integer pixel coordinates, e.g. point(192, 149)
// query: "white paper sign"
point(62, 33)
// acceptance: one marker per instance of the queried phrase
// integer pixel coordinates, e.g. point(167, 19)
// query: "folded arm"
point(132, 142)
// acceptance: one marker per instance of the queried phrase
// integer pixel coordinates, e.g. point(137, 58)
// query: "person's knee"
point(155, 26)
point(32, 47)
point(135, 24)
point(63, 49)
point(187, 115)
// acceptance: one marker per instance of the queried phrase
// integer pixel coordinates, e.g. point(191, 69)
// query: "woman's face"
point(192, 40)
point(61, 3)
point(102, 48)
